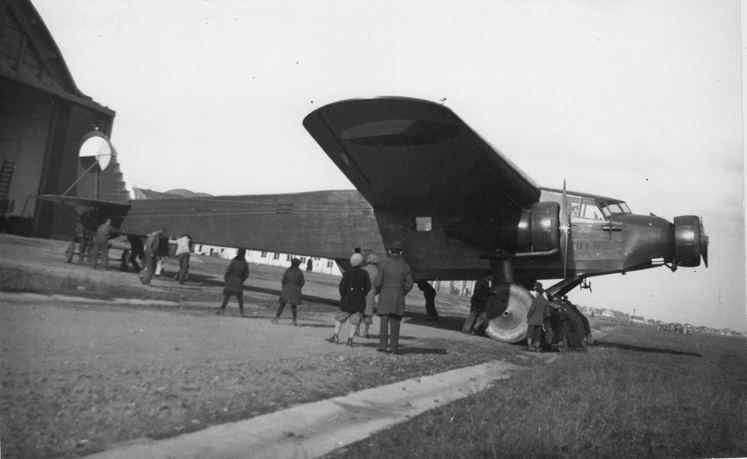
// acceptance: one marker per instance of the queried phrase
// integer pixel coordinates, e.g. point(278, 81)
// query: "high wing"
point(416, 156)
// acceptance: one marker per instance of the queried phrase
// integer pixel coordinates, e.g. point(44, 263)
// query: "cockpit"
point(587, 208)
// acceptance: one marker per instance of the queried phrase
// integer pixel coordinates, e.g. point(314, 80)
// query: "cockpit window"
point(588, 210)
point(585, 208)
point(612, 208)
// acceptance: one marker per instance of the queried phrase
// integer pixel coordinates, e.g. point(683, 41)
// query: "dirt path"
point(123, 361)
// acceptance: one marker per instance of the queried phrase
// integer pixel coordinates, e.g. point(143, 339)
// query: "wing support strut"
point(565, 286)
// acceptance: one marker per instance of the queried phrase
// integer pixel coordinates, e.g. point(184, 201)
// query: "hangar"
point(43, 119)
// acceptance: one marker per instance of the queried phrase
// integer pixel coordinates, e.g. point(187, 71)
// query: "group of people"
point(151, 252)
point(291, 284)
point(366, 280)
point(154, 251)
point(552, 322)
point(556, 322)
point(91, 246)
point(359, 288)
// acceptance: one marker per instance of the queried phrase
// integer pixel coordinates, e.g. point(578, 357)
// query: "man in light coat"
point(183, 251)
point(393, 282)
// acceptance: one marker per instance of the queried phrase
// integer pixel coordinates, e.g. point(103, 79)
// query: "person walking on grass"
point(236, 273)
point(292, 283)
point(354, 287)
point(393, 282)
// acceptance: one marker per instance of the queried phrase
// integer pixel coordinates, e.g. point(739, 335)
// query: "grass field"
point(638, 392)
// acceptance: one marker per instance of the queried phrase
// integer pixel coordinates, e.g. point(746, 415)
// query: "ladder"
point(6, 175)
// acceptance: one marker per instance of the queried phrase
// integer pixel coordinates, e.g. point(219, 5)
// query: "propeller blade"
point(564, 229)
point(704, 241)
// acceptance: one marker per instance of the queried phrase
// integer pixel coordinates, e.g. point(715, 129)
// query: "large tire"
point(507, 310)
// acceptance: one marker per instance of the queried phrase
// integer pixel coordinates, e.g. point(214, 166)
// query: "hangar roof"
point(30, 56)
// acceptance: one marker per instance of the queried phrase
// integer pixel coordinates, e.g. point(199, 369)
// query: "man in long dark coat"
point(292, 283)
point(575, 328)
point(354, 286)
point(571, 327)
point(587, 327)
point(236, 273)
point(393, 282)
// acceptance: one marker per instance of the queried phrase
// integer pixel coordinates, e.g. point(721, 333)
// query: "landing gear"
point(507, 306)
point(507, 309)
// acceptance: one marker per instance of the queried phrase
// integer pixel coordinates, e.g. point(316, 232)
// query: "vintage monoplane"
point(460, 209)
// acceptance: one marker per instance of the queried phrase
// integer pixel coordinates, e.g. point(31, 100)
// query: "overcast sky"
point(640, 100)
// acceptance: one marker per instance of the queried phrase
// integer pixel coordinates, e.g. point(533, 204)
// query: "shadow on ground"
point(630, 347)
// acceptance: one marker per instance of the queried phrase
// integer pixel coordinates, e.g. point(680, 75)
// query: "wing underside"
point(408, 153)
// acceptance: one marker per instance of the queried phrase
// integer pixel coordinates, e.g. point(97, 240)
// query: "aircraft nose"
point(690, 241)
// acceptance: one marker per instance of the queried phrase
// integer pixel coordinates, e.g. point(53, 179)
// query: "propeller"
point(565, 230)
point(704, 241)
point(690, 241)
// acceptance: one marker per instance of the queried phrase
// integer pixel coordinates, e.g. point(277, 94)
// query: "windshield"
point(615, 207)
point(585, 208)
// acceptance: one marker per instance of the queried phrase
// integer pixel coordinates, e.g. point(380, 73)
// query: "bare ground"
point(93, 358)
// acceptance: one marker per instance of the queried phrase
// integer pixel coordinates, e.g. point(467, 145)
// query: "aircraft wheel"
point(507, 312)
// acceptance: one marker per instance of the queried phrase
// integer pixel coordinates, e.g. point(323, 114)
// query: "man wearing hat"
point(291, 283)
point(538, 312)
point(392, 283)
point(354, 286)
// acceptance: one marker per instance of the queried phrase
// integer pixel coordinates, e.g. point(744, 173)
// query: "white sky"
point(640, 100)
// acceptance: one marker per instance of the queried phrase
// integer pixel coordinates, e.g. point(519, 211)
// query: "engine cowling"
point(538, 227)
point(690, 241)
